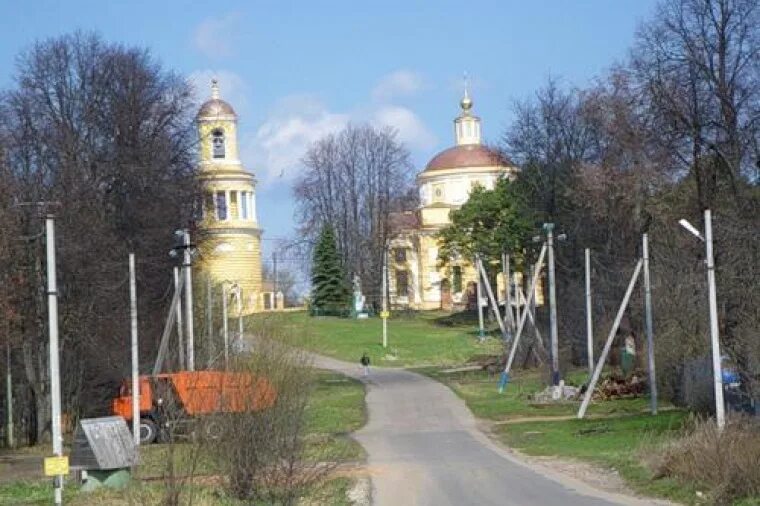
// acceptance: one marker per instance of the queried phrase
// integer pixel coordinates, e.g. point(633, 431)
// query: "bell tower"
point(229, 238)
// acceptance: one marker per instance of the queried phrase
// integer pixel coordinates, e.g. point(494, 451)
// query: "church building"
point(416, 277)
point(228, 233)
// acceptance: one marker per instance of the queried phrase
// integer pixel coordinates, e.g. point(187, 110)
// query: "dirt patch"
point(20, 466)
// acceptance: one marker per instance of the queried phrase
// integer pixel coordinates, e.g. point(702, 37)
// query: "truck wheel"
point(148, 431)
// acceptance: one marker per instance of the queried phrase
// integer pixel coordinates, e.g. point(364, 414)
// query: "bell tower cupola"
point(217, 128)
point(466, 125)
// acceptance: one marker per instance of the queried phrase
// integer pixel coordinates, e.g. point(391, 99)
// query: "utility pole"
point(239, 297)
point(225, 334)
point(479, 295)
point(507, 296)
point(589, 320)
point(549, 228)
point(180, 330)
point(55, 377)
point(274, 276)
point(385, 297)
point(135, 355)
point(649, 325)
point(189, 301)
point(720, 415)
point(608, 344)
point(209, 322)
point(9, 395)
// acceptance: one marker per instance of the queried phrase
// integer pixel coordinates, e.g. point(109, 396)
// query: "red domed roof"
point(466, 155)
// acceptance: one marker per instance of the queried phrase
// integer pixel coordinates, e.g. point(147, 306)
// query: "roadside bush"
point(263, 452)
point(725, 461)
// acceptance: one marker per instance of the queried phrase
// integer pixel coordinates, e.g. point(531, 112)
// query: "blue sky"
point(295, 71)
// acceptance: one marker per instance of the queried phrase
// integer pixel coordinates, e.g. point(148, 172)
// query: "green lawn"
point(424, 338)
point(480, 391)
point(336, 409)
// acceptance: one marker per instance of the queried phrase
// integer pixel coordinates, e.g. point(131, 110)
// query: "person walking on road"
point(365, 363)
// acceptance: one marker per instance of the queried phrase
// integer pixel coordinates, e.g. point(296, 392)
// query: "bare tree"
point(353, 181)
point(106, 132)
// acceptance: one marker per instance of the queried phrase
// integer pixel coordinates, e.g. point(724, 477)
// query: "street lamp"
point(720, 415)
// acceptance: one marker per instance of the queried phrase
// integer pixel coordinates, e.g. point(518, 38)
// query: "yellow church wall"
point(435, 216)
point(234, 258)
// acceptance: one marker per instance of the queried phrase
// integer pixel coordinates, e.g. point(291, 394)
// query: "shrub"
point(725, 461)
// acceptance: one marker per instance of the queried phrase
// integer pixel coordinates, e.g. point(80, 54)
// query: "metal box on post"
point(105, 450)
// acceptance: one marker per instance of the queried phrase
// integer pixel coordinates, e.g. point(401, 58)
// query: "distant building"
point(228, 233)
point(416, 278)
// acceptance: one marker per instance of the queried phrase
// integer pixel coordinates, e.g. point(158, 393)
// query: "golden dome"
point(215, 106)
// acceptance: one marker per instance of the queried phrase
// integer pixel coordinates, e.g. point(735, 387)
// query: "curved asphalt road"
point(424, 448)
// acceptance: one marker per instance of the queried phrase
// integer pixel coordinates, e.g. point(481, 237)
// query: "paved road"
point(424, 449)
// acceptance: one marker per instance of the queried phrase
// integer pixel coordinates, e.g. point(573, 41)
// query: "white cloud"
point(215, 37)
point(281, 141)
point(411, 130)
point(232, 87)
point(397, 83)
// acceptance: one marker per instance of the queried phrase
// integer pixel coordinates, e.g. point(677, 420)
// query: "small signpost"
point(56, 466)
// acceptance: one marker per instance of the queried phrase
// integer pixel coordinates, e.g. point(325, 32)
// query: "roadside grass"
point(336, 409)
point(479, 390)
point(616, 434)
point(617, 443)
point(421, 338)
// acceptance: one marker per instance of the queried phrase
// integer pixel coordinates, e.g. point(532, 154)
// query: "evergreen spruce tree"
point(329, 293)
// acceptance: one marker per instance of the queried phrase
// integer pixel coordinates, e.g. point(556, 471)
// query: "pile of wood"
point(491, 363)
point(616, 386)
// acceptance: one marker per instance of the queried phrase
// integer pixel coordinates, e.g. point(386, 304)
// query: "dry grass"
point(724, 462)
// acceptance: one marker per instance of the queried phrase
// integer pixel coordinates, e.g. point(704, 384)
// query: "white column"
point(227, 203)
point(189, 301)
point(252, 210)
point(240, 204)
point(135, 354)
point(55, 378)
point(720, 414)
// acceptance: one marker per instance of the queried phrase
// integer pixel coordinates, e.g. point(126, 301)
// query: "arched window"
point(217, 143)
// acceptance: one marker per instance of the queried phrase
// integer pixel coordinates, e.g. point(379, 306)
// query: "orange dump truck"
point(175, 398)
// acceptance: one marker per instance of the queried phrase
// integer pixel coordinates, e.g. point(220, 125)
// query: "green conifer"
point(329, 294)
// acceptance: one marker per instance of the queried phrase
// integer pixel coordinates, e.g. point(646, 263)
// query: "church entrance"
point(446, 302)
point(471, 294)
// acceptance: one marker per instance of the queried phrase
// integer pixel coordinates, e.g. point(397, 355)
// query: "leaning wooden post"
point(489, 292)
point(524, 315)
point(590, 390)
